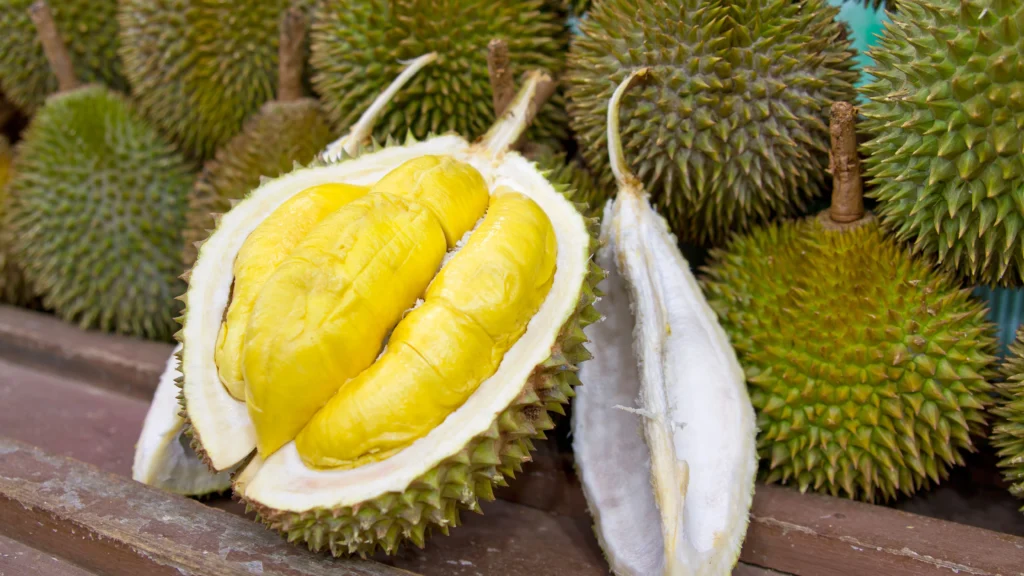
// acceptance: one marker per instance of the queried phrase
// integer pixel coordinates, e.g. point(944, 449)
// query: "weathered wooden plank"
point(125, 364)
point(17, 559)
point(810, 534)
point(114, 526)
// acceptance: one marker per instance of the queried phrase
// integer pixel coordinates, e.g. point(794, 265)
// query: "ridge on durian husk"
point(13, 288)
point(199, 78)
point(95, 211)
point(89, 29)
point(1008, 428)
point(868, 369)
point(275, 140)
point(351, 67)
point(731, 129)
point(581, 186)
point(457, 464)
point(945, 113)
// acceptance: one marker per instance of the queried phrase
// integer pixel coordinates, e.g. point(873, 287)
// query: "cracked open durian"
point(402, 319)
point(670, 481)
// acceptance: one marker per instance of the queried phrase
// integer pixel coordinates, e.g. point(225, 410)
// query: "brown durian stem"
point(53, 46)
point(290, 54)
point(503, 87)
point(844, 164)
point(508, 130)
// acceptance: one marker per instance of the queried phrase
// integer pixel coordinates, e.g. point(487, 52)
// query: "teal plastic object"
point(1006, 309)
point(867, 25)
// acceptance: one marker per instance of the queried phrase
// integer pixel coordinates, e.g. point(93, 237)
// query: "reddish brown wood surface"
point(17, 559)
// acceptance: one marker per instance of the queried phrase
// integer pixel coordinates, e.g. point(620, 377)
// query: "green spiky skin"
point(730, 128)
point(945, 117)
point(586, 192)
point(97, 206)
point(88, 29)
point(434, 500)
point(1008, 429)
point(358, 48)
point(867, 368)
point(198, 69)
point(279, 136)
point(13, 288)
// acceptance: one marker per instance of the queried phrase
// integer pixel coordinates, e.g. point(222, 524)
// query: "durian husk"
point(458, 481)
point(1008, 429)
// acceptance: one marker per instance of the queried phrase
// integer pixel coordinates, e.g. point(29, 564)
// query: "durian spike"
point(536, 89)
point(53, 46)
point(844, 164)
point(624, 177)
point(290, 55)
point(503, 87)
point(363, 128)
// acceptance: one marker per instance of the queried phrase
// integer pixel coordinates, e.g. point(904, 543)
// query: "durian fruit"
point(13, 289)
point(868, 368)
point(284, 253)
point(199, 69)
point(573, 174)
point(663, 431)
point(285, 131)
point(945, 115)
point(96, 207)
point(1008, 428)
point(163, 455)
point(731, 128)
point(358, 46)
point(89, 29)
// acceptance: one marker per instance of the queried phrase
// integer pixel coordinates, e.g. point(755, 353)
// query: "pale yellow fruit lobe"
point(264, 249)
point(473, 312)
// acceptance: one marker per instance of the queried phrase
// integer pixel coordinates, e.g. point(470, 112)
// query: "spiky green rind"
point(868, 369)
point(88, 29)
point(359, 46)
point(96, 209)
point(945, 115)
point(1008, 428)
point(581, 187)
point(280, 135)
point(199, 69)
point(731, 126)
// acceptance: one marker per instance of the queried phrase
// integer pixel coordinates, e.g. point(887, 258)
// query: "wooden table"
point(73, 404)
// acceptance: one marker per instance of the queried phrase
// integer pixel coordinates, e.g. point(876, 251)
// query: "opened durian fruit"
point(671, 480)
point(373, 341)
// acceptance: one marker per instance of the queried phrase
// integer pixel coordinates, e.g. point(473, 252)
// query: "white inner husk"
point(282, 481)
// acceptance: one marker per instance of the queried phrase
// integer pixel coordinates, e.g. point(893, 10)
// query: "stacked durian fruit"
point(380, 259)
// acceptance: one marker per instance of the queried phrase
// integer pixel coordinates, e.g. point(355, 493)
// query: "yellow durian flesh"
point(322, 316)
point(264, 249)
point(474, 311)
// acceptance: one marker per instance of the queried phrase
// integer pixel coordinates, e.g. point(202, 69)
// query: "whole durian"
point(731, 129)
point(358, 46)
point(867, 367)
point(199, 69)
point(96, 209)
point(285, 131)
point(945, 115)
point(1008, 428)
point(89, 28)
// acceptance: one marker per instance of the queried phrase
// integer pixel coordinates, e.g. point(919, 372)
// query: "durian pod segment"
point(379, 505)
point(163, 457)
point(663, 430)
point(1008, 428)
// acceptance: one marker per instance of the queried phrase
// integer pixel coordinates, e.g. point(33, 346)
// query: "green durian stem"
point(503, 88)
point(53, 46)
point(536, 89)
point(844, 164)
point(363, 128)
point(624, 176)
point(290, 55)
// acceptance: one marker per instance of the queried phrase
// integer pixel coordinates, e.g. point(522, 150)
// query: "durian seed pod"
point(96, 206)
point(868, 368)
point(1008, 427)
point(89, 29)
point(663, 423)
point(284, 132)
point(944, 115)
point(423, 487)
point(719, 139)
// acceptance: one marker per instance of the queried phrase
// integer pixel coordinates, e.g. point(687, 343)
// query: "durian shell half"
point(379, 505)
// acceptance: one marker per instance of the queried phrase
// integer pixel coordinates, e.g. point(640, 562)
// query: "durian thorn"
point(363, 128)
point(290, 55)
point(536, 89)
point(624, 176)
point(499, 69)
point(53, 46)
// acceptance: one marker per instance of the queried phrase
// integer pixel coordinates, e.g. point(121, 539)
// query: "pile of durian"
point(395, 240)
